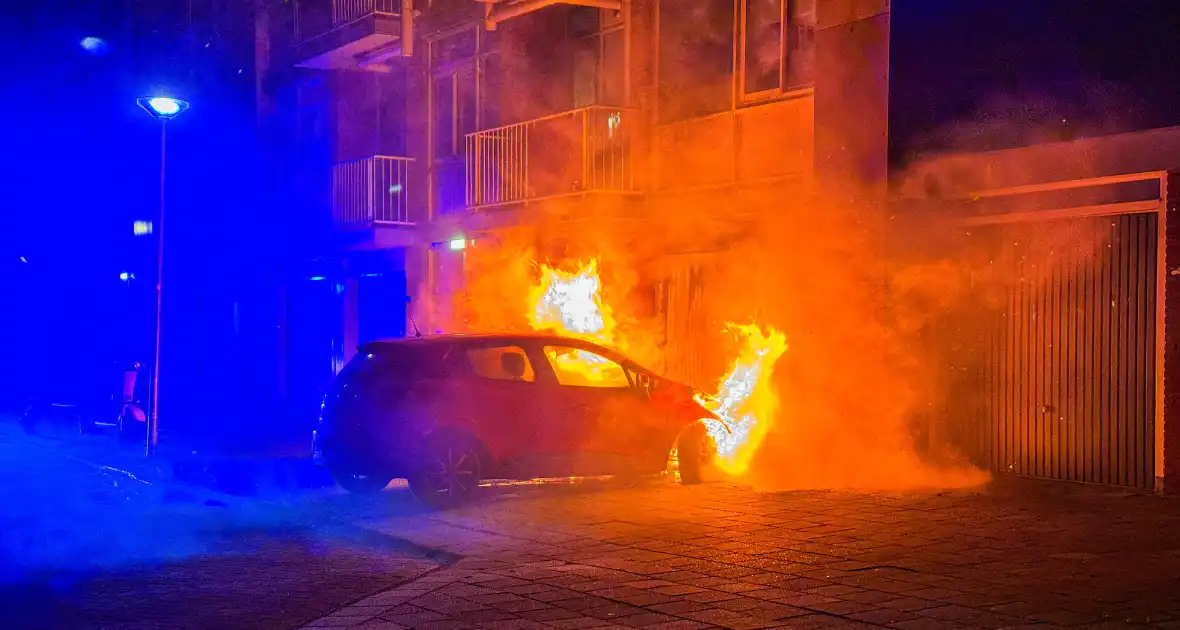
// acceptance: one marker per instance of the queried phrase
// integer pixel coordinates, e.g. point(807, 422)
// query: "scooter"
point(122, 413)
point(131, 422)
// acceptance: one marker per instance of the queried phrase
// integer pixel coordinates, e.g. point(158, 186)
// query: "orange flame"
point(746, 399)
point(570, 303)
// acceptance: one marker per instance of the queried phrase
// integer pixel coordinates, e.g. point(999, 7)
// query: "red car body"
point(508, 395)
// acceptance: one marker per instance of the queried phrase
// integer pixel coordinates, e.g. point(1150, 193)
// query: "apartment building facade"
point(424, 130)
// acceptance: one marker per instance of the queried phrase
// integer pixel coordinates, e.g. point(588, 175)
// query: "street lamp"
point(162, 108)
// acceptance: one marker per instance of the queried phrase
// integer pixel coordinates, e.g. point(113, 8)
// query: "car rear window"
point(488, 362)
point(394, 362)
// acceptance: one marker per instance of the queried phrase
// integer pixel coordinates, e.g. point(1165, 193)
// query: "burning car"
point(447, 411)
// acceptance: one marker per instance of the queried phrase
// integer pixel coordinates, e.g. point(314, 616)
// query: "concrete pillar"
point(351, 317)
point(1167, 432)
point(852, 95)
point(420, 176)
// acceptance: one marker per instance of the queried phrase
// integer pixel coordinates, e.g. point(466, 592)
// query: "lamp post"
point(162, 108)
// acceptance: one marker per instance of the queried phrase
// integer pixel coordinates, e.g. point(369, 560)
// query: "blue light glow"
point(165, 106)
point(94, 45)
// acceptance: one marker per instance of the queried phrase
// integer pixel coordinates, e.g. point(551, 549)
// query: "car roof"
point(506, 338)
point(532, 337)
point(492, 337)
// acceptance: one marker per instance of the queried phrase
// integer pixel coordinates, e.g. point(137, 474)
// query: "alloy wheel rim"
point(453, 473)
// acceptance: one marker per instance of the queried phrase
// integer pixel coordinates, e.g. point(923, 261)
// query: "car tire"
point(692, 454)
point(357, 483)
point(449, 471)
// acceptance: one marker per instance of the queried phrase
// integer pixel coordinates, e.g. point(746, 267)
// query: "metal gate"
point(1059, 372)
point(688, 345)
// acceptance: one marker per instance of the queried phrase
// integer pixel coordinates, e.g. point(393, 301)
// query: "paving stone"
point(646, 620)
point(733, 558)
point(612, 611)
point(679, 624)
point(729, 619)
point(577, 623)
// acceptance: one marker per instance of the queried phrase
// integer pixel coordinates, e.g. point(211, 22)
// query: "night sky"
point(978, 74)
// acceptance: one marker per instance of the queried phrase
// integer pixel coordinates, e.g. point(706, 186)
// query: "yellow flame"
point(746, 399)
point(570, 303)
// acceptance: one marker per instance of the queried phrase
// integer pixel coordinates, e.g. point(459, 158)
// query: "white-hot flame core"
point(571, 303)
point(745, 401)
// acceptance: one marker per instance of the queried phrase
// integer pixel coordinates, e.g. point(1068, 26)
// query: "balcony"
point(372, 196)
point(764, 143)
point(581, 151)
point(338, 34)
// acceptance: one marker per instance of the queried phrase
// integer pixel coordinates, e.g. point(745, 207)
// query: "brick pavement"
point(658, 555)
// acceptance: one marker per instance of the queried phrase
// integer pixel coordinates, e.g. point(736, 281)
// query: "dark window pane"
point(800, 42)
point(449, 187)
point(391, 114)
point(585, 71)
point(609, 18)
point(763, 45)
point(614, 75)
point(443, 113)
point(696, 57)
point(490, 90)
point(466, 105)
point(583, 21)
point(457, 47)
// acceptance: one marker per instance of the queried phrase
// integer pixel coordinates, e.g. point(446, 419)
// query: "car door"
point(507, 404)
point(604, 424)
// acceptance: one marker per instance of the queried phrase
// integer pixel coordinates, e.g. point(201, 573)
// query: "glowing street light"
point(458, 243)
point(93, 45)
point(163, 109)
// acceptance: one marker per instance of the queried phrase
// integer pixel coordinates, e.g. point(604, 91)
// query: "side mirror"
point(512, 364)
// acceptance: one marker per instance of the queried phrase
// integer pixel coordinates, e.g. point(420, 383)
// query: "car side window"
point(501, 363)
point(582, 368)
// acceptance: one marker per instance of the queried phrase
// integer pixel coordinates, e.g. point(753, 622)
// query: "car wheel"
point(357, 483)
point(693, 454)
point(449, 472)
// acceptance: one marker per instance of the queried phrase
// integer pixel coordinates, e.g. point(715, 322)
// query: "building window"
point(453, 111)
point(777, 47)
point(599, 67)
point(695, 58)
point(453, 92)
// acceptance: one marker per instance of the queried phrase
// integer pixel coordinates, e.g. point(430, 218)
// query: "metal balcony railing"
point(582, 150)
point(371, 190)
point(316, 17)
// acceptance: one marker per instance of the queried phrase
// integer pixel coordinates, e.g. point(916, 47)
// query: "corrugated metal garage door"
point(1058, 375)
